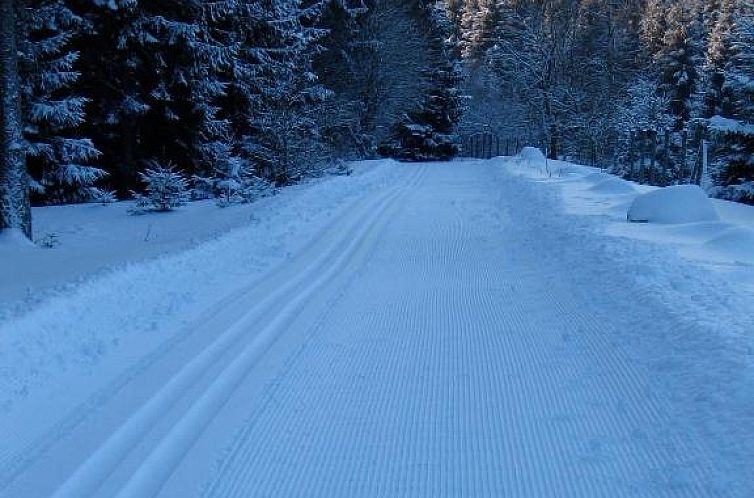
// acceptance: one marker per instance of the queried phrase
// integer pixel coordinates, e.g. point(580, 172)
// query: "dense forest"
point(104, 98)
point(625, 84)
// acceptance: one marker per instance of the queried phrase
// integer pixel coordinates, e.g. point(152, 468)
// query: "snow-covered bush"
point(340, 167)
point(236, 182)
point(202, 187)
point(166, 189)
point(104, 197)
point(676, 204)
point(48, 241)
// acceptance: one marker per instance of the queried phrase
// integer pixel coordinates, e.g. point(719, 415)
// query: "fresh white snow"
point(475, 328)
point(675, 204)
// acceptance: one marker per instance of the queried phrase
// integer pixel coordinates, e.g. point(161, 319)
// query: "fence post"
point(666, 151)
point(684, 139)
point(703, 175)
point(653, 144)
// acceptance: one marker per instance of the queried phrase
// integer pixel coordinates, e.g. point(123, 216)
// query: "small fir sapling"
point(165, 189)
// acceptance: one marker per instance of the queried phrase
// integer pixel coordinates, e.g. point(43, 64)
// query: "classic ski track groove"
point(147, 479)
point(15, 464)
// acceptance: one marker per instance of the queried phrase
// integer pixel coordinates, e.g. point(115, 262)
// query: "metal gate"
point(482, 145)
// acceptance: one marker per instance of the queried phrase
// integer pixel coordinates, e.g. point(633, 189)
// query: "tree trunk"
point(15, 211)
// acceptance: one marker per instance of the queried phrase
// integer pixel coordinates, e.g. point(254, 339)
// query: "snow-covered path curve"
point(426, 344)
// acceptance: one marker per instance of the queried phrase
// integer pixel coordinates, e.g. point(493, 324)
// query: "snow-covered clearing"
point(475, 328)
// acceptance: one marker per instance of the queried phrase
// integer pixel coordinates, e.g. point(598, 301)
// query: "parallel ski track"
point(261, 303)
point(13, 465)
point(171, 448)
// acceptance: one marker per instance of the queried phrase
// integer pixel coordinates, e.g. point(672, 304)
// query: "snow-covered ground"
point(476, 328)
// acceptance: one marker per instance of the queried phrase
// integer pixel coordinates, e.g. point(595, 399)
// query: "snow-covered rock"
point(676, 204)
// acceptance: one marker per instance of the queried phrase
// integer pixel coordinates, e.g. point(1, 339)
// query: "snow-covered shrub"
point(202, 187)
point(237, 182)
point(48, 241)
point(104, 197)
point(166, 189)
point(340, 167)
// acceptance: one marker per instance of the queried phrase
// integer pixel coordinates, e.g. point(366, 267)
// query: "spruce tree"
point(735, 128)
point(154, 97)
point(59, 159)
point(428, 132)
point(677, 68)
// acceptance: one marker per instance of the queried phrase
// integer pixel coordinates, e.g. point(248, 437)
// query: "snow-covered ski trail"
point(426, 343)
point(455, 368)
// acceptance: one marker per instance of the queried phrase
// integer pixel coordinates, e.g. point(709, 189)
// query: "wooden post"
point(666, 151)
point(653, 171)
point(684, 138)
point(703, 175)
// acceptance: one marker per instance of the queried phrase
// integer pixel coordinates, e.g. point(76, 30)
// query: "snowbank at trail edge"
point(13, 240)
point(714, 234)
point(87, 241)
point(675, 204)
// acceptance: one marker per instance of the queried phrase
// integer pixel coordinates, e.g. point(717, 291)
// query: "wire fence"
point(655, 157)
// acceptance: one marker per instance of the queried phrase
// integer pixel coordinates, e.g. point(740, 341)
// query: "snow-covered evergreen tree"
point(428, 132)
point(58, 158)
point(676, 66)
point(718, 23)
point(735, 127)
point(342, 67)
point(154, 97)
point(645, 111)
point(165, 189)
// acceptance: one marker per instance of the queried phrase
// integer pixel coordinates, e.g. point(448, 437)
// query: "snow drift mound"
point(737, 242)
point(13, 238)
point(532, 154)
point(612, 186)
point(676, 204)
point(596, 177)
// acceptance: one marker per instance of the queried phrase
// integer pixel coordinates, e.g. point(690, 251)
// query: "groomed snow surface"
point(474, 328)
